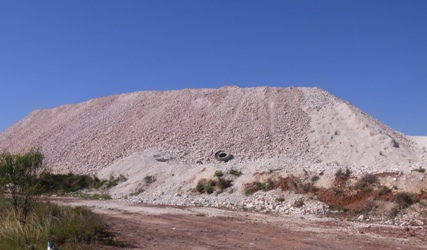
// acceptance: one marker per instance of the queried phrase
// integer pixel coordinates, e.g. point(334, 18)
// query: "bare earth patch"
point(164, 227)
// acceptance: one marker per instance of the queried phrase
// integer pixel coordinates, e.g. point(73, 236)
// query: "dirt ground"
point(143, 226)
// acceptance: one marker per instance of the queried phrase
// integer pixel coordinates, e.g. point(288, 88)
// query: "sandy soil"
point(173, 227)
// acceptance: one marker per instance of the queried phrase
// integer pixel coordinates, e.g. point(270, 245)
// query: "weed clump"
point(95, 196)
point(65, 227)
point(404, 200)
point(309, 188)
point(343, 174)
point(383, 190)
point(218, 173)
point(114, 181)
point(209, 186)
point(235, 172)
point(200, 187)
point(419, 170)
point(224, 183)
point(366, 182)
point(256, 186)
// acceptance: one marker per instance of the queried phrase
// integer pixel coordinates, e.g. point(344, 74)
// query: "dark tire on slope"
point(223, 156)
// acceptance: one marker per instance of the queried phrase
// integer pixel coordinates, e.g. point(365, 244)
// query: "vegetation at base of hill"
point(29, 223)
point(209, 186)
point(343, 175)
point(67, 183)
point(419, 170)
point(94, 196)
point(65, 227)
point(235, 172)
point(348, 194)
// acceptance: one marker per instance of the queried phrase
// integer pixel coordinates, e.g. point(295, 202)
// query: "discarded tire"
point(223, 156)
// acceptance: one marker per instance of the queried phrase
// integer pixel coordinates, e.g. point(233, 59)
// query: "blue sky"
point(371, 53)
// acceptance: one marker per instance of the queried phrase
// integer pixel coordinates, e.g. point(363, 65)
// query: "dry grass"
point(67, 228)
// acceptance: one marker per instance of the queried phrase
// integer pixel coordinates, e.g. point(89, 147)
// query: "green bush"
point(60, 183)
point(208, 188)
point(256, 186)
point(114, 181)
point(383, 190)
point(95, 196)
point(405, 200)
point(309, 188)
point(19, 177)
point(343, 174)
point(224, 183)
point(218, 173)
point(366, 182)
point(28, 224)
point(200, 187)
point(235, 172)
point(420, 170)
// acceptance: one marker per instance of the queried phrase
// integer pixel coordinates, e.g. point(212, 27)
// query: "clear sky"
point(372, 53)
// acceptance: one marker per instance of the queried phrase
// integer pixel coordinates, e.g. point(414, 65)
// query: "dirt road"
point(166, 227)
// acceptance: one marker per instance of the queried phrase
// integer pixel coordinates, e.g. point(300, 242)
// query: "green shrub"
point(224, 183)
point(114, 181)
point(95, 196)
point(60, 183)
point(366, 182)
point(260, 185)
point(235, 172)
point(218, 173)
point(256, 186)
point(252, 188)
point(420, 170)
point(208, 188)
point(343, 174)
point(19, 177)
point(383, 190)
point(338, 191)
point(200, 187)
point(249, 191)
point(309, 188)
point(405, 200)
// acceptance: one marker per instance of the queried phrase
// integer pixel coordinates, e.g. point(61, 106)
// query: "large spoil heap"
point(305, 124)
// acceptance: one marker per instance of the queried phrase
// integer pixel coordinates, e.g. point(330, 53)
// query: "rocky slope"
point(307, 125)
point(162, 144)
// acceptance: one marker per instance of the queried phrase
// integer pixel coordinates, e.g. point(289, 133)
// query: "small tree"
point(19, 179)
